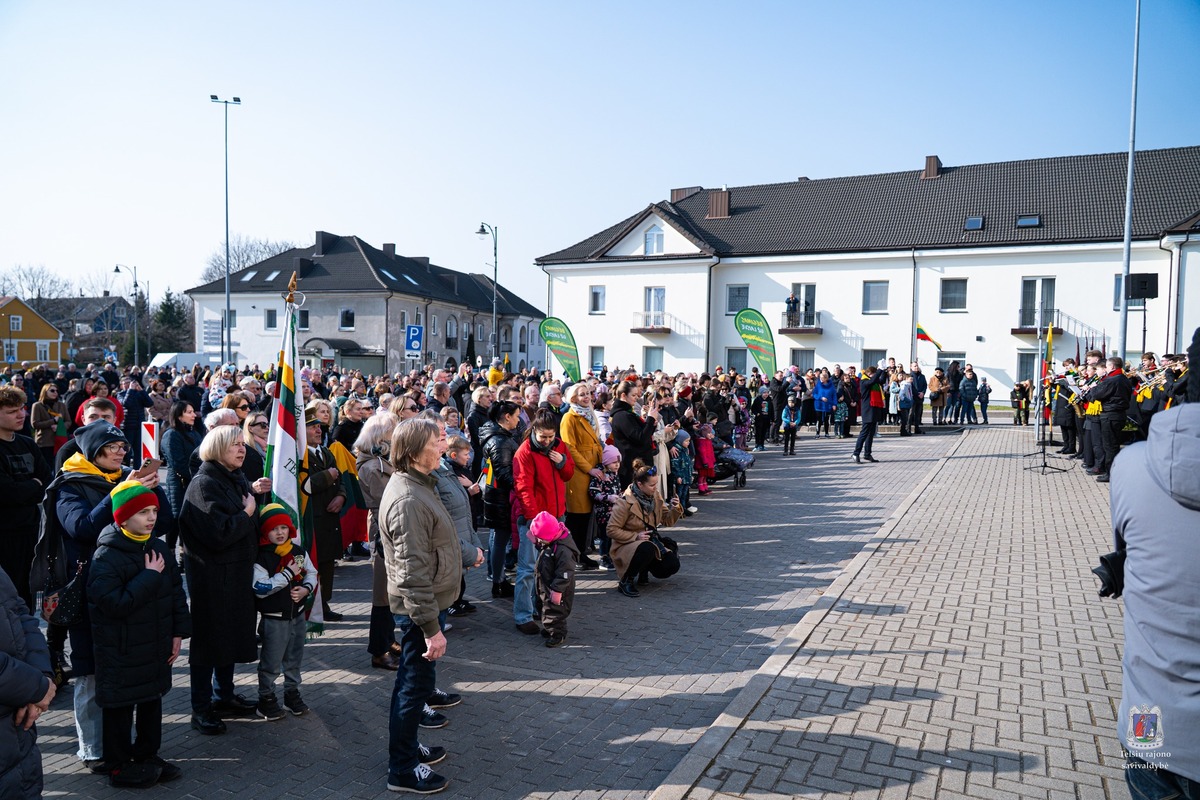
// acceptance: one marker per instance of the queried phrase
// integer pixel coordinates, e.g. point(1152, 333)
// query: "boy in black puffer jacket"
point(139, 619)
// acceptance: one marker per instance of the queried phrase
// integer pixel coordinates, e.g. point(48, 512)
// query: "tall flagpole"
point(1124, 323)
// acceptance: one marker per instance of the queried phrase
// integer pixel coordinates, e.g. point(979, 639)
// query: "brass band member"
point(1114, 394)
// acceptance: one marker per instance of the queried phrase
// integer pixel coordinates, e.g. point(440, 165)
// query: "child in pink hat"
point(555, 570)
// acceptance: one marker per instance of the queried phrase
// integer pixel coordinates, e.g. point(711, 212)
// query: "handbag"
point(935, 394)
point(64, 606)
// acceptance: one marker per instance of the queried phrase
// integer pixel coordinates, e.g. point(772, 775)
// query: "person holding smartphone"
point(638, 549)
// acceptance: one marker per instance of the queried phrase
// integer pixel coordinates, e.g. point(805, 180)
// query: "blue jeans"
point(496, 550)
point(415, 681)
point(282, 650)
point(526, 583)
point(983, 410)
point(209, 683)
point(968, 411)
point(1151, 783)
point(89, 721)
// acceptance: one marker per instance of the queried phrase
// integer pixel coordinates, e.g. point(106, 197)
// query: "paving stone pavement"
point(965, 654)
point(611, 714)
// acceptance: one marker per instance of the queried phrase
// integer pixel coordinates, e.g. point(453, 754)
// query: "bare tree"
point(99, 281)
point(34, 284)
point(244, 251)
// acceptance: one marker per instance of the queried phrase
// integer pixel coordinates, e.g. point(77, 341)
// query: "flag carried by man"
point(287, 447)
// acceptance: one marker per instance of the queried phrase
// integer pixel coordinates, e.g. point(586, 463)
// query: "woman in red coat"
point(541, 468)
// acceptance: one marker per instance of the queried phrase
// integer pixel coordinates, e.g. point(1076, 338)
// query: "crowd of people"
point(428, 474)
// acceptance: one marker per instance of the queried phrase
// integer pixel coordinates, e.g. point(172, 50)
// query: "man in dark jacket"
point(320, 483)
point(874, 407)
point(919, 387)
point(779, 392)
point(1114, 393)
point(24, 476)
point(1155, 515)
point(25, 693)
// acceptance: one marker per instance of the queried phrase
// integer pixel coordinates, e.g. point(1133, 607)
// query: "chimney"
point(422, 261)
point(718, 203)
point(389, 249)
point(105, 293)
point(684, 193)
point(933, 168)
point(301, 266)
point(324, 242)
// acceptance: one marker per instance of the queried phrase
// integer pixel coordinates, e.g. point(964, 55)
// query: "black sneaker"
point(606, 563)
point(431, 755)
point(134, 775)
point(268, 708)
point(98, 766)
point(432, 719)
point(556, 640)
point(167, 771)
point(295, 704)
point(440, 699)
point(208, 724)
point(236, 706)
point(421, 780)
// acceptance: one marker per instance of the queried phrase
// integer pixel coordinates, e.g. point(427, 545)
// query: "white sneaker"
point(692, 509)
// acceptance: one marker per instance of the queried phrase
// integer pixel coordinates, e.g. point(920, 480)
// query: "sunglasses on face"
point(259, 425)
point(243, 408)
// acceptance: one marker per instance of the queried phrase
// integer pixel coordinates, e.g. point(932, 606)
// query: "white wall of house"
point(1084, 287)
point(624, 286)
point(634, 243)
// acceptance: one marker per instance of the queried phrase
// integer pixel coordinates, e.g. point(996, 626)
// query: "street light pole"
point(236, 101)
point(484, 230)
point(136, 350)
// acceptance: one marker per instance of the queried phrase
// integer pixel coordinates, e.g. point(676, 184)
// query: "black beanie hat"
point(94, 436)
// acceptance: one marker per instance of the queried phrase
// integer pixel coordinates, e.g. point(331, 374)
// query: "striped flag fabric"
point(923, 335)
point(286, 446)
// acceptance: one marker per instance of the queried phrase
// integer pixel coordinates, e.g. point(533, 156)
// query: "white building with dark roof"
point(358, 300)
point(976, 254)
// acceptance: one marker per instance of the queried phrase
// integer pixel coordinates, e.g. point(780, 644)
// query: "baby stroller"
point(732, 462)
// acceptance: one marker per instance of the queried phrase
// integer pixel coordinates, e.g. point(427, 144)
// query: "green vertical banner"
point(558, 338)
point(756, 334)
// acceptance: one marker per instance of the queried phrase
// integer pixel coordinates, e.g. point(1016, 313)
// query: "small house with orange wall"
point(27, 336)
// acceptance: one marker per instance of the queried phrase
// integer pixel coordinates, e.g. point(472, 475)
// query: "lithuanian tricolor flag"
point(923, 336)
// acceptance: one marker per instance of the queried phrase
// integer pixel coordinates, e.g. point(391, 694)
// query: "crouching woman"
point(638, 550)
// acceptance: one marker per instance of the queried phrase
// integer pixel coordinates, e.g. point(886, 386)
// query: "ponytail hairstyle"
point(501, 408)
point(642, 471)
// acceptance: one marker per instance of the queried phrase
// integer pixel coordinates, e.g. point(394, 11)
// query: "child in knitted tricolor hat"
point(283, 584)
point(139, 617)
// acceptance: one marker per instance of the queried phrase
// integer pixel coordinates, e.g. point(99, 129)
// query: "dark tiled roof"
point(1079, 199)
point(83, 309)
point(348, 264)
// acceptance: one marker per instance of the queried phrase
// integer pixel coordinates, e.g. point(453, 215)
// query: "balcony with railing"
point(800, 323)
point(1032, 320)
point(652, 322)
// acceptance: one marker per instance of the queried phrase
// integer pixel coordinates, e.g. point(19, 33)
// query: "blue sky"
point(412, 122)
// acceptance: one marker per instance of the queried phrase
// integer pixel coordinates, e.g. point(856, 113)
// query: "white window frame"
point(743, 354)
point(43, 350)
point(729, 309)
point(302, 319)
point(886, 290)
point(270, 319)
point(15, 321)
point(451, 328)
point(342, 326)
point(945, 309)
point(433, 326)
point(652, 241)
point(809, 358)
point(1118, 285)
point(874, 359)
point(10, 350)
point(661, 357)
point(597, 293)
point(232, 321)
point(595, 356)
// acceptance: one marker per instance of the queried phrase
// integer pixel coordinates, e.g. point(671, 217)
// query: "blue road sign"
point(414, 338)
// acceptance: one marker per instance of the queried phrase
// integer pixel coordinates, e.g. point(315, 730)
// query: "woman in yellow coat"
point(579, 431)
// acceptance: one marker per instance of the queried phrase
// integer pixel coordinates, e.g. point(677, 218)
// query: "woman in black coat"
point(220, 541)
point(498, 445)
point(633, 436)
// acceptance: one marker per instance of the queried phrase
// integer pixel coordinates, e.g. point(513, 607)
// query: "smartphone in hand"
point(149, 467)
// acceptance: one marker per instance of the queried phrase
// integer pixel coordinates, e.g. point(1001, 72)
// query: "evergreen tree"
point(469, 357)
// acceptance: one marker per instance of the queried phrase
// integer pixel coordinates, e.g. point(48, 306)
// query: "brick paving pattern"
point(930, 655)
point(969, 658)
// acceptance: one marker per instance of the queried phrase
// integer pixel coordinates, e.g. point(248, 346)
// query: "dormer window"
point(1029, 221)
point(654, 240)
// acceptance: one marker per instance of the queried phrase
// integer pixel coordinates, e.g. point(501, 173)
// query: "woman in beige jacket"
point(638, 550)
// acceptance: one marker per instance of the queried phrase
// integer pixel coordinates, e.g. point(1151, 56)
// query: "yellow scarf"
point(79, 463)
point(140, 538)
